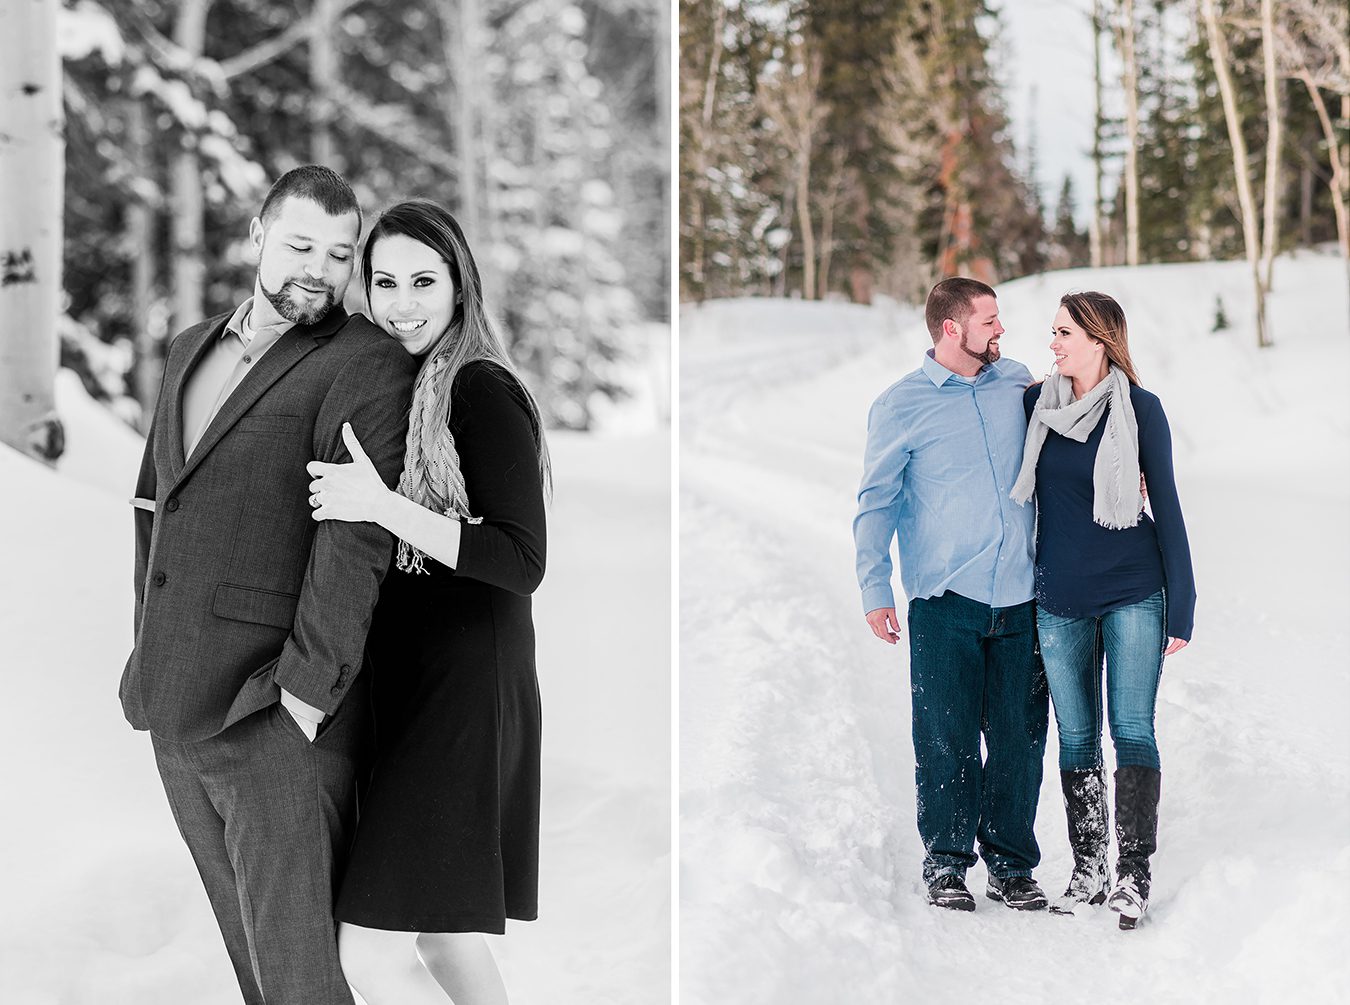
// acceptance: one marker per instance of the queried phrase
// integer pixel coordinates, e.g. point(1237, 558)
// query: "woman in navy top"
point(1110, 582)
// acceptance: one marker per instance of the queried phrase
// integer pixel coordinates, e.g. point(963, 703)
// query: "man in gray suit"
point(251, 617)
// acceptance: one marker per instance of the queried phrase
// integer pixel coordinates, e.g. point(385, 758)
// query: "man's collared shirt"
point(943, 452)
point(222, 368)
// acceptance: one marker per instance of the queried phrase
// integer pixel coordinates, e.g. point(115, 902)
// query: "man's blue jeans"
point(973, 670)
point(1132, 639)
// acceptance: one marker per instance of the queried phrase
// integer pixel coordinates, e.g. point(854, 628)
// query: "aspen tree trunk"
point(1095, 220)
point(827, 218)
point(1270, 238)
point(661, 60)
point(1251, 238)
point(808, 231)
point(1340, 182)
point(701, 147)
point(140, 231)
point(1131, 83)
point(186, 203)
point(32, 166)
point(322, 79)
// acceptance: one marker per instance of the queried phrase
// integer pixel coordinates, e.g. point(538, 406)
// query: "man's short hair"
point(316, 183)
point(953, 298)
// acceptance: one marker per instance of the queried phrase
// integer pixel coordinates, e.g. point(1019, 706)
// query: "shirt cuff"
point(301, 709)
point(876, 597)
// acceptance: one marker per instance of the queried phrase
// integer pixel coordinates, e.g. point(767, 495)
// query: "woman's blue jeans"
point(1132, 640)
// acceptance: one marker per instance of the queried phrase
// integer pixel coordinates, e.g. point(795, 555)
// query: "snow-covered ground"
point(799, 857)
point(101, 904)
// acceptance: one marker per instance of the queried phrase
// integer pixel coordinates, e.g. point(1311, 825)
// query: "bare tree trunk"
point(1131, 84)
point(1306, 180)
point(701, 147)
point(789, 99)
point(461, 44)
point(1270, 237)
point(1340, 182)
point(32, 166)
point(808, 230)
point(827, 218)
point(1098, 122)
point(323, 73)
point(186, 203)
point(140, 235)
point(662, 62)
point(1251, 238)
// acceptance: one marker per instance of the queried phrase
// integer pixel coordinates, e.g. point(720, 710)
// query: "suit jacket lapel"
point(178, 367)
point(292, 347)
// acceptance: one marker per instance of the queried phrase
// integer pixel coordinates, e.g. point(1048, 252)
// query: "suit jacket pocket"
point(259, 607)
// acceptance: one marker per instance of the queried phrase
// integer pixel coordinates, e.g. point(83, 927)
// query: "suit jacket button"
point(342, 674)
point(171, 505)
point(160, 578)
point(335, 689)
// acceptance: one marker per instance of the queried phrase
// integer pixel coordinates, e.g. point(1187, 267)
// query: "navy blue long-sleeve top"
point(1084, 570)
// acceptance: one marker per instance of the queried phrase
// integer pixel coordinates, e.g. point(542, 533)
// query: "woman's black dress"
point(448, 838)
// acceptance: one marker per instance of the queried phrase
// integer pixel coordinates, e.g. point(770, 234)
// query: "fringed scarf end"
point(410, 559)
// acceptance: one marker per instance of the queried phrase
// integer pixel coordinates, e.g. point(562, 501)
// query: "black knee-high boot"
point(1137, 791)
point(1085, 807)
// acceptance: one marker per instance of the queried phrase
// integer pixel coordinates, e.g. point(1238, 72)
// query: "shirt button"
point(171, 505)
point(160, 579)
point(248, 358)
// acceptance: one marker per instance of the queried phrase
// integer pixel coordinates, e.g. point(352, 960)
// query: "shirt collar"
point(939, 374)
point(236, 324)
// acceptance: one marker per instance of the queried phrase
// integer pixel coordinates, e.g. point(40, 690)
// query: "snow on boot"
point(1129, 902)
point(1085, 807)
point(1137, 791)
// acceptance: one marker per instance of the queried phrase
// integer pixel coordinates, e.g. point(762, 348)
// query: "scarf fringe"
point(413, 561)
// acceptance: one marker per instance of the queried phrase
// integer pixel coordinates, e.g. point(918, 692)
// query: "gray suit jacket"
point(238, 590)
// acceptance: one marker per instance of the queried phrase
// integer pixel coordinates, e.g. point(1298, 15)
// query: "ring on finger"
point(314, 500)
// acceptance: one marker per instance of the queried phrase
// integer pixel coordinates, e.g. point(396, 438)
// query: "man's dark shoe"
point(949, 891)
point(1019, 892)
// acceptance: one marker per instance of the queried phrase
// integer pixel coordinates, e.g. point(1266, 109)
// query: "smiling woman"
point(412, 296)
point(447, 844)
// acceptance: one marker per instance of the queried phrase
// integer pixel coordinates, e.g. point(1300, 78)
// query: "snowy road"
point(799, 854)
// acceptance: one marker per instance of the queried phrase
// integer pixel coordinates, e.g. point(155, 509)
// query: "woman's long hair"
point(431, 472)
point(1104, 321)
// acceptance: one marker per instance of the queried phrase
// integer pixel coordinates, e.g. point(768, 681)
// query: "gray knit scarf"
point(1116, 499)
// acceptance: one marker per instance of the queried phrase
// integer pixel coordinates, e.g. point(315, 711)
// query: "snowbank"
point(102, 904)
point(799, 857)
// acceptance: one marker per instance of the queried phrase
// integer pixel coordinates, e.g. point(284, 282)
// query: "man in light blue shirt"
point(944, 445)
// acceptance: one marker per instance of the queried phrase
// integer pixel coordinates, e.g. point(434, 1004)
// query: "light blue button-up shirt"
point(943, 452)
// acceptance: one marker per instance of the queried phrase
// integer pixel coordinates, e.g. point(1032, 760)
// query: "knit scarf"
point(1116, 499)
point(431, 475)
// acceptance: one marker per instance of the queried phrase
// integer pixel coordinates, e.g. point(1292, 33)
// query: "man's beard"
point(989, 355)
point(291, 311)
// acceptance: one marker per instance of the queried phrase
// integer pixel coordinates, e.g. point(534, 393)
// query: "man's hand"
point(306, 716)
point(1174, 646)
point(884, 625)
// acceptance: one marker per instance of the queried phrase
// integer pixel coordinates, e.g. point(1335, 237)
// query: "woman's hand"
point(1174, 646)
point(352, 492)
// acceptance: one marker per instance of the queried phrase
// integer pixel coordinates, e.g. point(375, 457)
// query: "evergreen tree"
point(1068, 244)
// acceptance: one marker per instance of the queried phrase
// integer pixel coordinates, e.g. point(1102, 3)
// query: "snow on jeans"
point(973, 671)
point(1132, 639)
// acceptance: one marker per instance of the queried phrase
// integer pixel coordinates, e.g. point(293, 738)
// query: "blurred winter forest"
point(853, 147)
point(541, 124)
